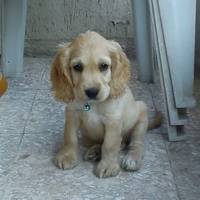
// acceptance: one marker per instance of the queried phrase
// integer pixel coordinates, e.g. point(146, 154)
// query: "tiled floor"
point(31, 129)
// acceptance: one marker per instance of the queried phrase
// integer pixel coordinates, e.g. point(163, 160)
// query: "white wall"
point(52, 21)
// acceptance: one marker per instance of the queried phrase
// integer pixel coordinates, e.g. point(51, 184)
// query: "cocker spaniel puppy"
point(90, 74)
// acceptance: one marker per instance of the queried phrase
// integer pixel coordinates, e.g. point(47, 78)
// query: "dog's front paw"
point(132, 163)
point(107, 169)
point(65, 159)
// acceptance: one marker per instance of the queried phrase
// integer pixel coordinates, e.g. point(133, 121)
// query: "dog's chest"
point(92, 125)
point(92, 119)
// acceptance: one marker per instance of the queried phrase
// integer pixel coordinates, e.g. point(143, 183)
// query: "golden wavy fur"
point(60, 76)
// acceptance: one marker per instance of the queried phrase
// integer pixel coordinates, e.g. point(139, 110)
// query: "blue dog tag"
point(86, 107)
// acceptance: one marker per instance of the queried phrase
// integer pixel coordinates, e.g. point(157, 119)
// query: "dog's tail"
point(156, 122)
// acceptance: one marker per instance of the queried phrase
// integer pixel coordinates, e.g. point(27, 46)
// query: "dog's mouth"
point(92, 100)
point(96, 100)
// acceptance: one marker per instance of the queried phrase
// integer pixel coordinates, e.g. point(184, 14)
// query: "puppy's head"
point(89, 68)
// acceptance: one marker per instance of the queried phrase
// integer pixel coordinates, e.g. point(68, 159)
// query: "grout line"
point(31, 109)
point(23, 133)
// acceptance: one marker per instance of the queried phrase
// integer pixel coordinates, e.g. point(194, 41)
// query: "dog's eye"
point(103, 67)
point(78, 67)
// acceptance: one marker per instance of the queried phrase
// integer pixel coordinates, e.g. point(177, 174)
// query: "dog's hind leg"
point(93, 154)
point(134, 158)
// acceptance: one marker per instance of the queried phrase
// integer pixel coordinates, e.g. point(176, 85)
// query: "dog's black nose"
point(92, 92)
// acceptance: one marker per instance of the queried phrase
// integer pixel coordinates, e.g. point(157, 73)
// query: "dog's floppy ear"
point(120, 69)
point(62, 85)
